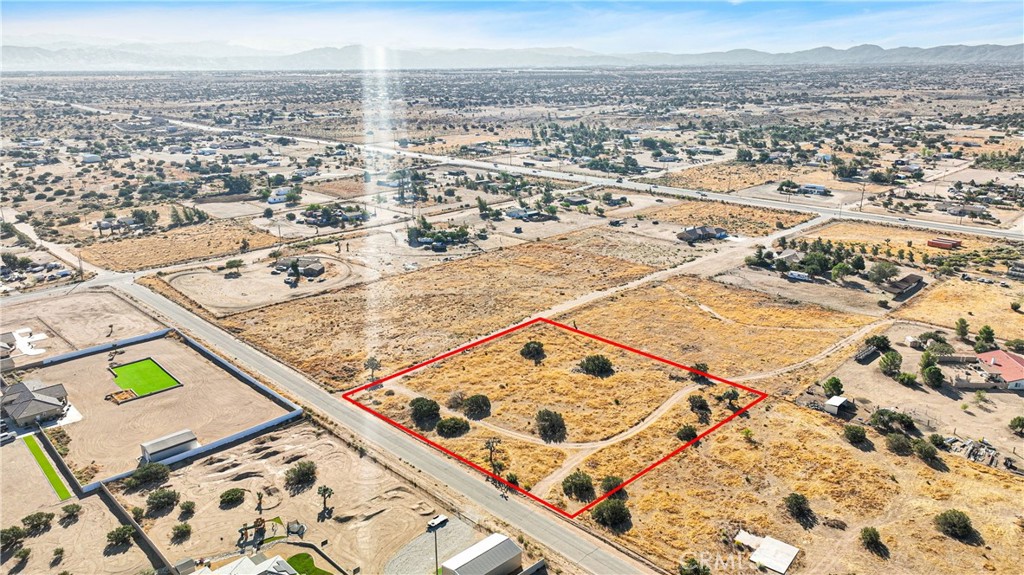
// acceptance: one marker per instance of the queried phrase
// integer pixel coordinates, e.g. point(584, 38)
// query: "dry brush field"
point(738, 220)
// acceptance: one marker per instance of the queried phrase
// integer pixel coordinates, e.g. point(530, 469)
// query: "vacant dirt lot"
point(257, 286)
point(738, 220)
point(636, 248)
point(26, 490)
point(855, 296)
point(980, 304)
point(695, 503)
point(405, 319)
point(725, 177)
point(78, 320)
point(218, 238)
point(374, 513)
point(737, 332)
point(210, 402)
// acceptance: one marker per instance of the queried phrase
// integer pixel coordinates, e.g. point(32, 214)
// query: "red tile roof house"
point(1009, 366)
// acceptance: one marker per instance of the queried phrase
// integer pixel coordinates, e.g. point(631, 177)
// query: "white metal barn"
point(495, 555)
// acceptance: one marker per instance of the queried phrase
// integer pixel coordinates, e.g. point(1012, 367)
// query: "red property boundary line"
point(348, 397)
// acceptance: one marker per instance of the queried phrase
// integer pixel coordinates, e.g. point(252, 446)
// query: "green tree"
point(596, 365)
point(71, 510)
point(854, 433)
point(841, 270)
point(687, 433)
point(907, 379)
point(933, 376)
point(797, 505)
point(693, 567)
point(148, 473)
point(890, 363)
point(234, 264)
point(926, 451)
point(11, 537)
point(833, 387)
point(533, 351)
point(882, 271)
point(119, 536)
point(578, 485)
point(188, 508)
point(181, 532)
point(611, 513)
point(162, 498)
point(879, 342)
point(928, 359)
point(424, 411)
point(701, 367)
point(477, 406)
point(550, 426)
point(611, 483)
point(268, 213)
point(730, 396)
point(961, 328)
point(232, 497)
point(37, 522)
point(987, 335)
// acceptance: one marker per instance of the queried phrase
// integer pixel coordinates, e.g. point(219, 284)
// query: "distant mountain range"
point(66, 57)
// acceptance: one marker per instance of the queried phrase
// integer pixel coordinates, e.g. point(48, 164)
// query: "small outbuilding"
point(835, 404)
point(768, 552)
point(495, 555)
point(169, 445)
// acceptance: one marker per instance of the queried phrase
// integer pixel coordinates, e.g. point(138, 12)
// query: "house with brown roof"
point(31, 401)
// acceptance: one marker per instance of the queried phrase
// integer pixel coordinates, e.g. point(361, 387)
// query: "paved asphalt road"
point(538, 524)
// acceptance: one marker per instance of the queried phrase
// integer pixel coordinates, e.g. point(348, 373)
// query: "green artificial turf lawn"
point(304, 564)
point(47, 467)
point(143, 377)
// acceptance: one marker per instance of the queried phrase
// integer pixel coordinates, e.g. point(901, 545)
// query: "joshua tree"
point(371, 364)
point(326, 493)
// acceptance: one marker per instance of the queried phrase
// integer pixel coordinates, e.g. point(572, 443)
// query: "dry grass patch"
point(909, 239)
point(738, 220)
point(216, 238)
point(415, 316)
point(735, 331)
point(696, 502)
point(980, 304)
point(606, 241)
point(729, 176)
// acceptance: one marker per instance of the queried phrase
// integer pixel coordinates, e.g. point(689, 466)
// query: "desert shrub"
point(925, 450)
point(424, 411)
point(597, 365)
point(933, 376)
point(188, 508)
point(533, 351)
point(611, 513)
point(698, 404)
point(693, 567)
point(455, 400)
point(550, 425)
point(181, 531)
point(898, 443)
point(870, 539)
point(452, 427)
point(937, 440)
point(854, 433)
point(232, 497)
point(120, 535)
point(954, 523)
point(301, 473)
point(477, 406)
point(36, 522)
point(797, 505)
point(687, 433)
point(512, 478)
point(885, 419)
point(148, 473)
point(880, 342)
point(907, 379)
point(162, 499)
point(22, 554)
point(578, 485)
point(138, 513)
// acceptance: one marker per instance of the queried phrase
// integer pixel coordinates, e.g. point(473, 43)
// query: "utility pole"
point(436, 567)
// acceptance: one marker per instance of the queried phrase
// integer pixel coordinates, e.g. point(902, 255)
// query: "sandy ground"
point(725, 177)
point(178, 245)
point(210, 402)
point(26, 490)
point(695, 503)
point(980, 304)
point(258, 287)
point(409, 318)
point(615, 242)
point(374, 513)
point(418, 556)
point(79, 320)
point(737, 220)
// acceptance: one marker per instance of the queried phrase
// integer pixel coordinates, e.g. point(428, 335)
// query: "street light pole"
point(436, 568)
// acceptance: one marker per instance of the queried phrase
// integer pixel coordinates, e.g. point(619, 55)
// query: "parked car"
point(437, 521)
point(7, 437)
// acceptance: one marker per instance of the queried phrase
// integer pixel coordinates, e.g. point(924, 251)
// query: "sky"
point(604, 26)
